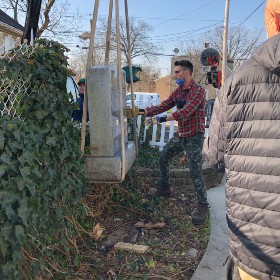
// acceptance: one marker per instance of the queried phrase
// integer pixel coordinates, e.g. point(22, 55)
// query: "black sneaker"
point(199, 216)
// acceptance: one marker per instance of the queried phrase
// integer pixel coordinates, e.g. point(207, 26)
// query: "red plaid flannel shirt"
point(191, 118)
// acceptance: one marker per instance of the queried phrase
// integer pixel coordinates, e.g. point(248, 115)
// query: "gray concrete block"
point(105, 110)
point(109, 169)
point(180, 181)
point(181, 173)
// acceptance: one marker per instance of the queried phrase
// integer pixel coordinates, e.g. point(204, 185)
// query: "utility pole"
point(225, 42)
point(89, 64)
point(31, 21)
point(108, 35)
point(131, 75)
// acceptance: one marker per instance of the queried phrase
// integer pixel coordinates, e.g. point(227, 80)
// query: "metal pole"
point(120, 78)
point(108, 35)
point(89, 64)
point(131, 76)
point(92, 34)
point(224, 65)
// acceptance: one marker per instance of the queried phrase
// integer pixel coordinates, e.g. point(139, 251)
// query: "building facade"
point(10, 33)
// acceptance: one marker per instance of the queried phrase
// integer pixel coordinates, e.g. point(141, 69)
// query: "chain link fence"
point(13, 90)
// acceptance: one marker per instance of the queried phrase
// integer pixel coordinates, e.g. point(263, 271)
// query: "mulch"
point(116, 208)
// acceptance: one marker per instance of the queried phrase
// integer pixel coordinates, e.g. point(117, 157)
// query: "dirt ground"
point(174, 250)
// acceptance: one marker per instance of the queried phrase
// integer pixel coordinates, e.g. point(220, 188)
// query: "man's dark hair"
point(185, 64)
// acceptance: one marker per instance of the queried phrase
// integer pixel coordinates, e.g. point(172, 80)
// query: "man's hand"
point(155, 120)
point(149, 121)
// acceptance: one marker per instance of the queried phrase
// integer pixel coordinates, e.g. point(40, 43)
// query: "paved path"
point(211, 265)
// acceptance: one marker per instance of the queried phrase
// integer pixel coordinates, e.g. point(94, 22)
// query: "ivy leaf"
point(10, 213)
point(37, 172)
point(14, 145)
point(19, 232)
point(3, 247)
point(5, 158)
point(40, 114)
point(51, 141)
point(2, 140)
point(23, 212)
point(6, 231)
point(31, 188)
point(3, 195)
point(20, 183)
point(2, 170)
point(17, 134)
point(25, 171)
point(59, 212)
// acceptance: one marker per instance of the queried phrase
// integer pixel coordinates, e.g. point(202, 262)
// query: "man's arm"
point(214, 143)
point(162, 107)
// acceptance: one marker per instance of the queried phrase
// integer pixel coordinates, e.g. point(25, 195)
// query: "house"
point(161, 86)
point(10, 33)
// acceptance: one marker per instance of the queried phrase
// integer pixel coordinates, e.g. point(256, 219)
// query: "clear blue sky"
point(170, 18)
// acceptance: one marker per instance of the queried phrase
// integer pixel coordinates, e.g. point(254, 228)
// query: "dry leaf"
point(97, 231)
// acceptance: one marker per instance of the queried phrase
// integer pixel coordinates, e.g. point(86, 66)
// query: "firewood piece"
point(141, 249)
point(149, 225)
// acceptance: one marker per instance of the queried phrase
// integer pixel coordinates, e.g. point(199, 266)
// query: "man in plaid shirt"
point(190, 100)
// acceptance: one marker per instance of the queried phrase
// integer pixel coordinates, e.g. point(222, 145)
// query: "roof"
point(4, 18)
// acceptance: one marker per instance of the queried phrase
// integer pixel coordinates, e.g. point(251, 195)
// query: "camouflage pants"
point(193, 147)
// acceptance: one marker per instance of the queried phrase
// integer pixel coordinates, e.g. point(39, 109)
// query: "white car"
point(143, 99)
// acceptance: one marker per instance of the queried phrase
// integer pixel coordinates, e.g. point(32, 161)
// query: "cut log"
point(141, 249)
point(149, 225)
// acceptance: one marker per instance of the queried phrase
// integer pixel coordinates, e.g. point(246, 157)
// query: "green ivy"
point(41, 172)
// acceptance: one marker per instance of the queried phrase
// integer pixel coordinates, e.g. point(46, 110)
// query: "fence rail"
point(166, 131)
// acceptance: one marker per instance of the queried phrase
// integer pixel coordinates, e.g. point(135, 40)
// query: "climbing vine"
point(41, 171)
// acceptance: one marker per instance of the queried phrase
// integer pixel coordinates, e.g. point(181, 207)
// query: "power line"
point(194, 10)
point(190, 32)
point(251, 14)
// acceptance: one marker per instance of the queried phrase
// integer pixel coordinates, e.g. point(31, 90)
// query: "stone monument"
point(105, 162)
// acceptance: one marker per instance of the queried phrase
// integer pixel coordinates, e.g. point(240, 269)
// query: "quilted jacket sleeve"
point(214, 143)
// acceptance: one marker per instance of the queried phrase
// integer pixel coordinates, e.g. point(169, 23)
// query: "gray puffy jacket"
point(244, 138)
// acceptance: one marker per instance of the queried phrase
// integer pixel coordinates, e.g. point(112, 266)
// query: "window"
point(72, 88)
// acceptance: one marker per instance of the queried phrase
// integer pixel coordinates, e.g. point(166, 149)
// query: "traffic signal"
point(135, 70)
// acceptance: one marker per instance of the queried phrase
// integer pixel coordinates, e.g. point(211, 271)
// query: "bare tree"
point(241, 42)
point(140, 39)
point(147, 76)
point(78, 60)
point(15, 6)
point(55, 19)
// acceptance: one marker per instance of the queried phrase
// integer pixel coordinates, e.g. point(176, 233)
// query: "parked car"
point(72, 88)
point(148, 98)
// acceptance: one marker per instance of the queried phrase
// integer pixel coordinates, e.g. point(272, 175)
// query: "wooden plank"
point(139, 224)
point(154, 226)
point(141, 249)
point(149, 225)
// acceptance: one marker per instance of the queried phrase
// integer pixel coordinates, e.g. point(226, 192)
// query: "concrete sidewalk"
point(211, 265)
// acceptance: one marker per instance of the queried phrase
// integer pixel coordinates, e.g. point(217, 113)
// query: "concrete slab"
point(108, 169)
point(211, 265)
